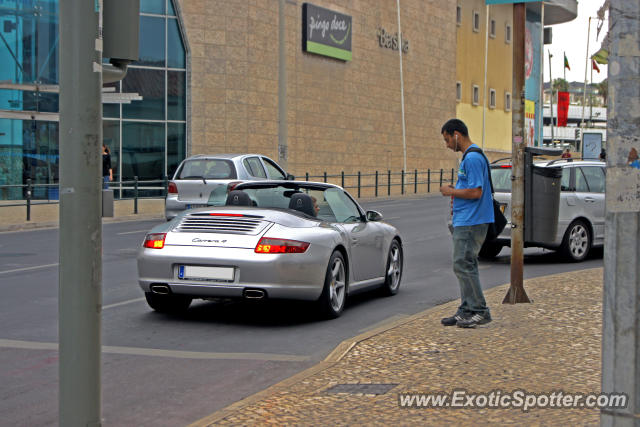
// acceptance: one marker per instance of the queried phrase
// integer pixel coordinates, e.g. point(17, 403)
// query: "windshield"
point(329, 204)
point(207, 169)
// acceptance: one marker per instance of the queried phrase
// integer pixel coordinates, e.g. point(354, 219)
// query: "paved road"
point(172, 370)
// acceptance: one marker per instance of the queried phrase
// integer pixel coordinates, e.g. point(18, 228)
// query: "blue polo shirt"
point(473, 173)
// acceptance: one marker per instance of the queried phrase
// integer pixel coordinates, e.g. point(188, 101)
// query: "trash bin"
point(541, 198)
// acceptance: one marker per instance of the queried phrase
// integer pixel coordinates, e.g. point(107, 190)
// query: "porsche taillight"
point(269, 245)
point(154, 240)
point(173, 188)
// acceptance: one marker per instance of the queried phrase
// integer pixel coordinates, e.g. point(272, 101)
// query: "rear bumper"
point(285, 276)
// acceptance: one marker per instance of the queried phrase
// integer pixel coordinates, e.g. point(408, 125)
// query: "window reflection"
point(149, 84)
point(176, 136)
point(143, 151)
point(152, 6)
point(176, 95)
point(151, 38)
point(175, 46)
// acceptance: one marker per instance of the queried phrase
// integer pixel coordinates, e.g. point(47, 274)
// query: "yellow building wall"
point(470, 61)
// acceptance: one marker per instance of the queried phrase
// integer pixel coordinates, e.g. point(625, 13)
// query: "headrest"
point(238, 198)
point(303, 203)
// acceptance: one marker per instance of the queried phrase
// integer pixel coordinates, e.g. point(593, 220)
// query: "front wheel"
point(334, 293)
point(167, 303)
point(577, 241)
point(393, 270)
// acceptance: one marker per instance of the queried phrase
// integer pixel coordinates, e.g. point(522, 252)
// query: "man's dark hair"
point(455, 125)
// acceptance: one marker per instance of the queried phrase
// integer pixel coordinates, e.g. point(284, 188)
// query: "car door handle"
point(589, 199)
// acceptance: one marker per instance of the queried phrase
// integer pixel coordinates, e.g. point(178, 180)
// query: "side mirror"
point(290, 177)
point(374, 216)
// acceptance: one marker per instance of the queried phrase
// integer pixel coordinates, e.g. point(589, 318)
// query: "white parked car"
point(581, 212)
point(205, 180)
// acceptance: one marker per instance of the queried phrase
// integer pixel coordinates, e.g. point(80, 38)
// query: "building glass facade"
point(147, 138)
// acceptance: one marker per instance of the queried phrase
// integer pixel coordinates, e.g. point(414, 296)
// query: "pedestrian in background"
point(566, 154)
point(472, 213)
point(107, 171)
point(603, 155)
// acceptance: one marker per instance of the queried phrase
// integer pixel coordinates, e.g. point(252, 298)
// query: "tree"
point(560, 85)
point(603, 90)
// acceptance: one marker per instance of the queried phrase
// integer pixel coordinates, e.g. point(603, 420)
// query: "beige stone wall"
point(341, 115)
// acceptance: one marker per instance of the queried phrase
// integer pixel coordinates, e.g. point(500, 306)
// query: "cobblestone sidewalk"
point(553, 344)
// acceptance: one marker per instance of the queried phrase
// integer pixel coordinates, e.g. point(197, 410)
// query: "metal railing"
point(364, 184)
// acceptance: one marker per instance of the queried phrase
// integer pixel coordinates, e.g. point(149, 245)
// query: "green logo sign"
point(326, 32)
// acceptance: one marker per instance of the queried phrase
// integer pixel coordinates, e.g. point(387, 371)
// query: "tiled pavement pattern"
point(550, 345)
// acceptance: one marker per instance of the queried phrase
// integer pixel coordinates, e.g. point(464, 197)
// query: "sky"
point(571, 37)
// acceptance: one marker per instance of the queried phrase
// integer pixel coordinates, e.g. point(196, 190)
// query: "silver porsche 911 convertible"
point(272, 239)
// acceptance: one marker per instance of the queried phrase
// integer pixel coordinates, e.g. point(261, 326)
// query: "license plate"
point(195, 272)
point(196, 206)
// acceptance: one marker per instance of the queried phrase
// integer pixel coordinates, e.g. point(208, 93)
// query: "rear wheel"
point(167, 303)
point(393, 270)
point(334, 293)
point(490, 250)
point(577, 241)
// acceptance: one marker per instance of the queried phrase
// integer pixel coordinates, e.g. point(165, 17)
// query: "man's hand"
point(447, 190)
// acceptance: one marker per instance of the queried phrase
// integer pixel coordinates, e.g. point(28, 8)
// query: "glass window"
point(207, 168)
point(142, 151)
point(501, 179)
point(111, 138)
point(175, 48)
point(152, 6)
point(476, 21)
point(458, 15)
point(254, 167)
point(492, 98)
point(111, 110)
point(150, 85)
point(170, 10)
point(507, 34)
point(458, 91)
point(176, 95)
point(273, 170)
point(595, 178)
point(581, 182)
point(151, 41)
point(492, 28)
point(344, 209)
point(565, 182)
point(475, 95)
point(176, 137)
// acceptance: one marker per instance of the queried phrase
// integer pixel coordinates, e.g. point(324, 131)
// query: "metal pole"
point(484, 88)
point(80, 271)
point(388, 182)
point(402, 182)
point(516, 291)
point(282, 89)
point(135, 194)
point(358, 184)
point(428, 180)
point(551, 88)
point(376, 183)
point(404, 137)
point(621, 306)
point(415, 181)
point(29, 193)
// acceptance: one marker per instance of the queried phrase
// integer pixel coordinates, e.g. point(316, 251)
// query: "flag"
point(563, 108)
point(566, 62)
point(594, 65)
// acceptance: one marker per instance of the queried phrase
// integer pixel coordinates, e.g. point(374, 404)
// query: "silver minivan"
point(204, 180)
point(582, 209)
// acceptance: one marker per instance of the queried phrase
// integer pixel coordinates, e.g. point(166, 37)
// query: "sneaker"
point(473, 321)
point(451, 321)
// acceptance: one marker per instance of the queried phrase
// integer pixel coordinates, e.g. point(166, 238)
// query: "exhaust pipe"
point(160, 289)
point(254, 293)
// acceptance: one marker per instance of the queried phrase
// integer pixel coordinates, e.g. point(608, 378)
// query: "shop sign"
point(390, 41)
point(326, 32)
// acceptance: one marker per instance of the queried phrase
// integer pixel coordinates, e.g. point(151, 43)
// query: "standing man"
point(472, 213)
